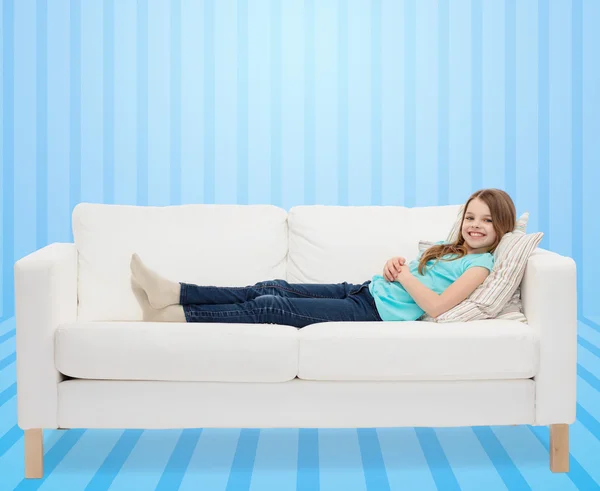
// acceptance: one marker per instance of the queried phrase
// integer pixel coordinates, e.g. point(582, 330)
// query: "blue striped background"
point(373, 102)
point(379, 102)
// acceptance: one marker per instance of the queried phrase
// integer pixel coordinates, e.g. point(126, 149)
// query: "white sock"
point(170, 313)
point(161, 292)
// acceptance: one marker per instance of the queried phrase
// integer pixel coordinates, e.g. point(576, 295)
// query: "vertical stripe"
point(2, 125)
point(292, 102)
point(57, 214)
point(460, 102)
point(242, 102)
point(392, 123)
point(577, 145)
point(339, 460)
point(142, 103)
point(436, 458)
point(402, 445)
point(209, 102)
point(109, 101)
point(372, 459)
point(526, 111)
point(426, 103)
point(159, 115)
point(308, 459)
point(560, 129)
point(125, 103)
point(443, 171)
point(243, 461)
point(75, 105)
point(175, 197)
point(376, 109)
point(154, 447)
point(215, 449)
point(25, 140)
point(226, 109)
point(24, 237)
point(192, 104)
point(410, 173)
point(41, 216)
point(309, 104)
point(502, 462)
point(276, 170)
point(277, 448)
point(510, 90)
point(326, 102)
point(259, 103)
point(180, 459)
point(114, 461)
point(543, 123)
point(343, 178)
point(492, 95)
point(588, 270)
point(359, 103)
point(465, 453)
point(92, 104)
point(477, 95)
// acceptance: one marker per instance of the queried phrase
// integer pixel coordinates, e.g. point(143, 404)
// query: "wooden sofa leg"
point(559, 448)
point(34, 453)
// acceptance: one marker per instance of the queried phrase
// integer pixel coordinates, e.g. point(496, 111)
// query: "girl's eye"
point(487, 220)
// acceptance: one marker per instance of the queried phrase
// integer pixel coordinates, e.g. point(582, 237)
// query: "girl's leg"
point(162, 292)
point(293, 311)
point(218, 295)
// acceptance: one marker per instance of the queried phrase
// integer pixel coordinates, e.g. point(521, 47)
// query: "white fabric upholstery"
point(45, 297)
point(331, 244)
point(294, 404)
point(479, 350)
point(234, 245)
point(241, 245)
point(177, 351)
point(549, 294)
point(271, 353)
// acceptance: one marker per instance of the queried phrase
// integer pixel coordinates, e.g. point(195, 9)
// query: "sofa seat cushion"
point(484, 349)
point(177, 351)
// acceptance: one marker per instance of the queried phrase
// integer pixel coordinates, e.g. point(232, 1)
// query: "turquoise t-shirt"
point(393, 301)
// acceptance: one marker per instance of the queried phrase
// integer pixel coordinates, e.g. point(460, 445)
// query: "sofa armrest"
point(45, 297)
point(549, 296)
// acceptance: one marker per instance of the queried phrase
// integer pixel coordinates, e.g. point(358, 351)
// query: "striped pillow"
point(499, 288)
point(512, 311)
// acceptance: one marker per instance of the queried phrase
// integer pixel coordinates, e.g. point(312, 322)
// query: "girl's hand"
point(404, 272)
point(393, 267)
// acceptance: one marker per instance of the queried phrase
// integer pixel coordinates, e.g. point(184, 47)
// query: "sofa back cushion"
point(332, 244)
point(206, 244)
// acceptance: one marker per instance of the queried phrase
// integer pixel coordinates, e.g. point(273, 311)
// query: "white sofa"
point(85, 358)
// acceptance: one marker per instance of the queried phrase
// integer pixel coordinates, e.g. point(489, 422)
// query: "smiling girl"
point(437, 280)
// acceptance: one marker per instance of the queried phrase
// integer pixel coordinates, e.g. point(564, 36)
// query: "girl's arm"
point(435, 304)
point(425, 298)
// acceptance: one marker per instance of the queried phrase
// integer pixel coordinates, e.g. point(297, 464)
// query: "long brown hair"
point(504, 220)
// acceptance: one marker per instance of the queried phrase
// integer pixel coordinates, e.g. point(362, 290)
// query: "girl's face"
point(479, 220)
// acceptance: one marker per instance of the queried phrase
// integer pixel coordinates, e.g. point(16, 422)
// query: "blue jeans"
point(279, 302)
